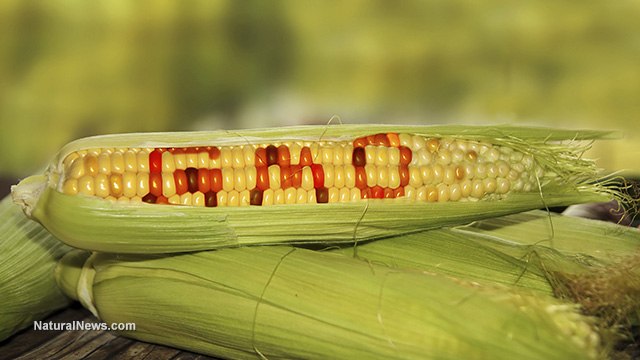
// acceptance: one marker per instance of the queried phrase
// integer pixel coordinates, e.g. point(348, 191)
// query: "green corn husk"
point(100, 225)
point(279, 302)
point(513, 250)
point(28, 256)
point(598, 241)
point(595, 263)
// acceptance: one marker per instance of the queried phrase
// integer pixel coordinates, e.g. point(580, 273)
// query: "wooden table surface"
point(32, 344)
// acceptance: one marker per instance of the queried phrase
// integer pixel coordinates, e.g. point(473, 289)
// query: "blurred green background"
point(72, 68)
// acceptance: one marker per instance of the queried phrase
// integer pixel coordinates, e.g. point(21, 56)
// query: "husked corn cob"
point(276, 302)
point(221, 185)
point(28, 256)
point(384, 165)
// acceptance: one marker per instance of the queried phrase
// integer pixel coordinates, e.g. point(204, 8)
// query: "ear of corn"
point(28, 256)
point(515, 250)
point(344, 183)
point(278, 302)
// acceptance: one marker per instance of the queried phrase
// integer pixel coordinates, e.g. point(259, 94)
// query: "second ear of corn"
point(353, 183)
point(28, 256)
point(281, 302)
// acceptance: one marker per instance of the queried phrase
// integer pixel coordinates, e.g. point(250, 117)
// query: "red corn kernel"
point(192, 179)
point(296, 176)
point(162, 200)
point(149, 198)
point(394, 139)
point(365, 193)
point(272, 155)
point(359, 158)
point(318, 175)
point(204, 181)
point(178, 151)
point(155, 161)
point(381, 140)
point(155, 183)
point(305, 157)
point(214, 153)
point(404, 175)
point(210, 199)
point(180, 179)
point(286, 179)
point(255, 197)
point(399, 192)
point(192, 150)
point(322, 195)
point(371, 139)
point(284, 157)
point(388, 193)
point(360, 142)
point(377, 192)
point(361, 178)
point(262, 178)
point(405, 156)
point(215, 180)
point(261, 157)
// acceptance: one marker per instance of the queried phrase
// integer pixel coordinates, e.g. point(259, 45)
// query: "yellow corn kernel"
point(307, 178)
point(130, 161)
point(339, 176)
point(91, 164)
point(294, 153)
point(240, 179)
point(198, 199)
point(102, 187)
point(129, 181)
point(104, 163)
point(394, 177)
point(116, 185)
point(338, 155)
point(274, 177)
point(168, 164)
point(86, 185)
point(143, 161)
point(372, 175)
point(350, 176)
point(237, 157)
point(70, 186)
point(117, 162)
point(344, 195)
point(355, 194)
point(180, 160)
point(228, 179)
point(142, 181)
point(233, 198)
point(222, 197)
point(382, 156)
point(278, 197)
point(383, 176)
point(334, 194)
point(174, 199)
point(187, 199)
